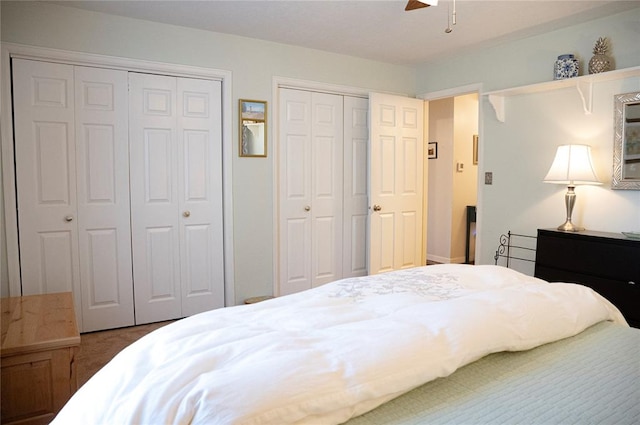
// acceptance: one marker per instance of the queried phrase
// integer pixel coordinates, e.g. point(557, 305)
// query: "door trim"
point(12, 50)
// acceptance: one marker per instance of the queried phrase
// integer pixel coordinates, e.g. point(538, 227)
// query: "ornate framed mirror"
point(626, 143)
point(253, 128)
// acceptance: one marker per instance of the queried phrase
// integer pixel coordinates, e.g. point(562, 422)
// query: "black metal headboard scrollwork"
point(514, 246)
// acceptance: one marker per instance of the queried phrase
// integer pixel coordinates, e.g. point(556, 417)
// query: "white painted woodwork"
point(326, 187)
point(355, 218)
point(73, 188)
point(46, 176)
point(103, 219)
point(70, 200)
point(322, 188)
point(295, 191)
point(199, 137)
point(155, 205)
point(176, 196)
point(395, 182)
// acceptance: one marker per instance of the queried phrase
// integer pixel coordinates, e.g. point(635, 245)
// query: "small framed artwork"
point(475, 149)
point(432, 150)
point(253, 128)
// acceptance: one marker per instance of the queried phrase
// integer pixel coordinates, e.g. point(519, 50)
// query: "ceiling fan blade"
point(415, 4)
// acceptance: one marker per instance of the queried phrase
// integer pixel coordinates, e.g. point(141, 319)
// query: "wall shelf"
point(583, 84)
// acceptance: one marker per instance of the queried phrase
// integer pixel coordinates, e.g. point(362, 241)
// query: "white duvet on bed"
point(331, 353)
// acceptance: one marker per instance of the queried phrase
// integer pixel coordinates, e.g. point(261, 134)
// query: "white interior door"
point(311, 189)
point(395, 182)
point(155, 204)
point(103, 220)
point(355, 221)
point(46, 177)
point(176, 196)
point(295, 191)
point(199, 139)
point(326, 187)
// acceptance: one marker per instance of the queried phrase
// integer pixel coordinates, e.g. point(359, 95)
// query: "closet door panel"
point(323, 223)
point(356, 140)
point(160, 265)
point(153, 151)
point(46, 176)
point(101, 119)
point(199, 137)
point(327, 187)
point(295, 192)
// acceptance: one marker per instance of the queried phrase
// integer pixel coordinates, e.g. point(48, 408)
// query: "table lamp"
point(572, 166)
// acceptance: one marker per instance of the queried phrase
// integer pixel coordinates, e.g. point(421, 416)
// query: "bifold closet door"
point(176, 196)
point(311, 189)
point(355, 208)
point(104, 228)
point(45, 153)
point(72, 180)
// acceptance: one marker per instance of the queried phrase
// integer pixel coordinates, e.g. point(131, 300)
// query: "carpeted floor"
point(98, 348)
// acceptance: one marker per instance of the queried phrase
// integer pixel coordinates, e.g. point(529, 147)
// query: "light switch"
point(488, 177)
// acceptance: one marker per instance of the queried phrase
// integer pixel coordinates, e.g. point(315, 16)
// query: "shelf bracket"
point(585, 90)
point(498, 106)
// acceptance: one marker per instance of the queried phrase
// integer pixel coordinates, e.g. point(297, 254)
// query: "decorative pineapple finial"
point(601, 46)
point(600, 62)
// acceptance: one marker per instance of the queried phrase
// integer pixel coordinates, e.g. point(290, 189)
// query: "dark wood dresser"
point(606, 262)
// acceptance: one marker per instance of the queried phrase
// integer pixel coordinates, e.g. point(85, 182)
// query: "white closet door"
point(199, 139)
point(46, 177)
point(311, 189)
point(101, 122)
point(176, 196)
point(155, 201)
point(326, 187)
point(396, 182)
point(356, 141)
point(295, 191)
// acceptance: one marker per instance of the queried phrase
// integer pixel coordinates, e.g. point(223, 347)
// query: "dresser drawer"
point(607, 262)
point(606, 259)
point(622, 294)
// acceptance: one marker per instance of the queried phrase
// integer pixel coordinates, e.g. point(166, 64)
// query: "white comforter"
point(331, 353)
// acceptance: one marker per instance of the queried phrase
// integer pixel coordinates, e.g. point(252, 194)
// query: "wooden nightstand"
point(39, 343)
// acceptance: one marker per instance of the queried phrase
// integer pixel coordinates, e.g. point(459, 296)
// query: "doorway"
point(452, 178)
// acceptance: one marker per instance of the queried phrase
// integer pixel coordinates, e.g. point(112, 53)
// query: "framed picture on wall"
point(253, 128)
point(432, 150)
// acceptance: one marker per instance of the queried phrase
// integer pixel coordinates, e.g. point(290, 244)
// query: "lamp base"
point(569, 201)
point(568, 226)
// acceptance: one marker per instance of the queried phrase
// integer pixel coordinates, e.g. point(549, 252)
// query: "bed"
point(435, 344)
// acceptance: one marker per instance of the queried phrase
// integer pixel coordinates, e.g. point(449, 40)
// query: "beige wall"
point(440, 181)
point(465, 183)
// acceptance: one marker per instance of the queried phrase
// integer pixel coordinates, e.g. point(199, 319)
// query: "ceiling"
point(380, 30)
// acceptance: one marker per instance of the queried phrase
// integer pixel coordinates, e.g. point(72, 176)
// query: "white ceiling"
point(379, 30)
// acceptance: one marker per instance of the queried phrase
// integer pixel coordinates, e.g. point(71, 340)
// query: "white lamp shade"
point(572, 166)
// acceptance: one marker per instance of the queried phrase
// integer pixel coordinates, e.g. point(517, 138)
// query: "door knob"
point(186, 213)
point(307, 208)
point(377, 207)
point(68, 218)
